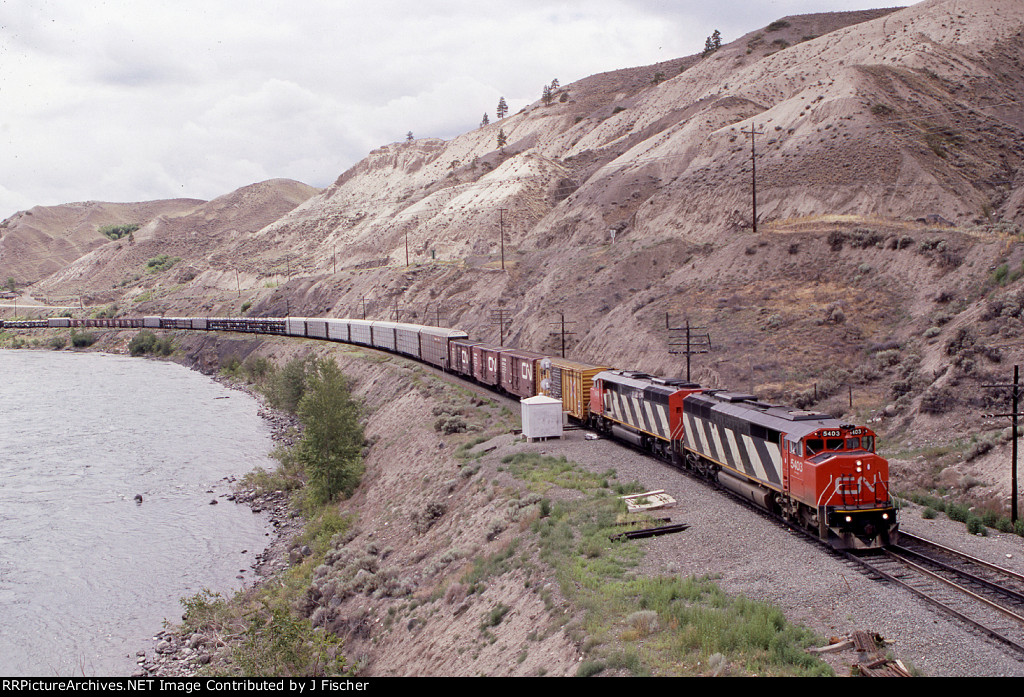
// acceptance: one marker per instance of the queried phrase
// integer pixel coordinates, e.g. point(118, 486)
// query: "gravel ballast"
point(749, 555)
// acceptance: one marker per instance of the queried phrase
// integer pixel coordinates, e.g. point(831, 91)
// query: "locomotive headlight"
point(849, 519)
point(885, 516)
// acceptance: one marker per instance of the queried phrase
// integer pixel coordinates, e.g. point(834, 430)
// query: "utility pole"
point(1014, 414)
point(502, 317)
point(562, 332)
point(753, 170)
point(684, 337)
point(501, 227)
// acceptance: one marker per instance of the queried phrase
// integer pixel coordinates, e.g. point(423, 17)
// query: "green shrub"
point(161, 262)
point(82, 339)
point(589, 668)
point(279, 643)
point(116, 232)
point(285, 387)
point(958, 512)
point(976, 526)
point(495, 616)
point(146, 342)
point(332, 437)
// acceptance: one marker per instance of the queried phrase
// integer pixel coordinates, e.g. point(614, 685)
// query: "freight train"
point(813, 471)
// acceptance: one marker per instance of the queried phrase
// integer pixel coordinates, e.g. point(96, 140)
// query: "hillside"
point(882, 280)
point(44, 239)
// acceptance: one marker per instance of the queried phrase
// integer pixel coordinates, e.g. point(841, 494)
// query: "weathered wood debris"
point(871, 659)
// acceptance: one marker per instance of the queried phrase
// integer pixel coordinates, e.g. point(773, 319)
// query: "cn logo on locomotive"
point(844, 485)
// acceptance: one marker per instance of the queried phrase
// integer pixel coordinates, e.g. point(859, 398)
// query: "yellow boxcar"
point(570, 382)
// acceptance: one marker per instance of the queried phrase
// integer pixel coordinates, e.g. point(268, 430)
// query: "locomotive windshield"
point(813, 446)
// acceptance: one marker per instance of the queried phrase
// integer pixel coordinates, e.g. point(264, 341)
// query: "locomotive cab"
point(852, 508)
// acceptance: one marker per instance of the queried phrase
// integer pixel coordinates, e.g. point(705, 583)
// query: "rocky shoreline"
point(175, 654)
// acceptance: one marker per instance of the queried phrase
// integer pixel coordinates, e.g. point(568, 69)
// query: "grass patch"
point(640, 625)
point(271, 640)
point(542, 472)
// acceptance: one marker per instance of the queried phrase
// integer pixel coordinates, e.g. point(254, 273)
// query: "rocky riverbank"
point(178, 654)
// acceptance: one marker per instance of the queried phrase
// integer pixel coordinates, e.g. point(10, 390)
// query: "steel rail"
point(963, 555)
point(862, 561)
point(896, 553)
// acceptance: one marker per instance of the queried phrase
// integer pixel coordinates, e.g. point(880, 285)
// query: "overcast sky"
point(135, 100)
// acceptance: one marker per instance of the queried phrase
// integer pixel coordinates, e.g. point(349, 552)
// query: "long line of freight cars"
point(518, 372)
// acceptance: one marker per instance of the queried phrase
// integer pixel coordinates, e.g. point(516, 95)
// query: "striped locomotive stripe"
point(753, 457)
point(709, 440)
point(641, 414)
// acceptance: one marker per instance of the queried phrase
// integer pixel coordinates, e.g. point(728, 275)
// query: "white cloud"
point(138, 100)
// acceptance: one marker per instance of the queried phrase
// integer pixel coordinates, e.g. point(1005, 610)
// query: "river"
point(87, 573)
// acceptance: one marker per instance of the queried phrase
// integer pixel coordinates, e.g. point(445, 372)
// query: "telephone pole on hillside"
point(753, 170)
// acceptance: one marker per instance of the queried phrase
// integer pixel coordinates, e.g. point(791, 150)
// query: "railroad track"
point(985, 596)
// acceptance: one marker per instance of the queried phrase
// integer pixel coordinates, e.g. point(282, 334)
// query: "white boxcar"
point(295, 326)
point(337, 330)
point(407, 339)
point(359, 331)
point(383, 334)
point(316, 328)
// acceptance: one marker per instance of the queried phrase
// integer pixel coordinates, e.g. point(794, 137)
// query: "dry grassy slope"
point(204, 238)
point(44, 239)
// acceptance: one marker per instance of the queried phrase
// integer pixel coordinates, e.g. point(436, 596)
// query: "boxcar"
point(337, 330)
point(518, 371)
point(570, 382)
point(316, 328)
point(487, 364)
point(383, 334)
point(359, 331)
point(460, 356)
point(407, 339)
point(435, 342)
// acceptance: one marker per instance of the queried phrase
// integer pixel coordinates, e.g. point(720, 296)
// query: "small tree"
point(502, 139)
point(546, 95)
point(485, 121)
point(408, 137)
point(713, 43)
point(332, 437)
point(554, 85)
point(502, 111)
